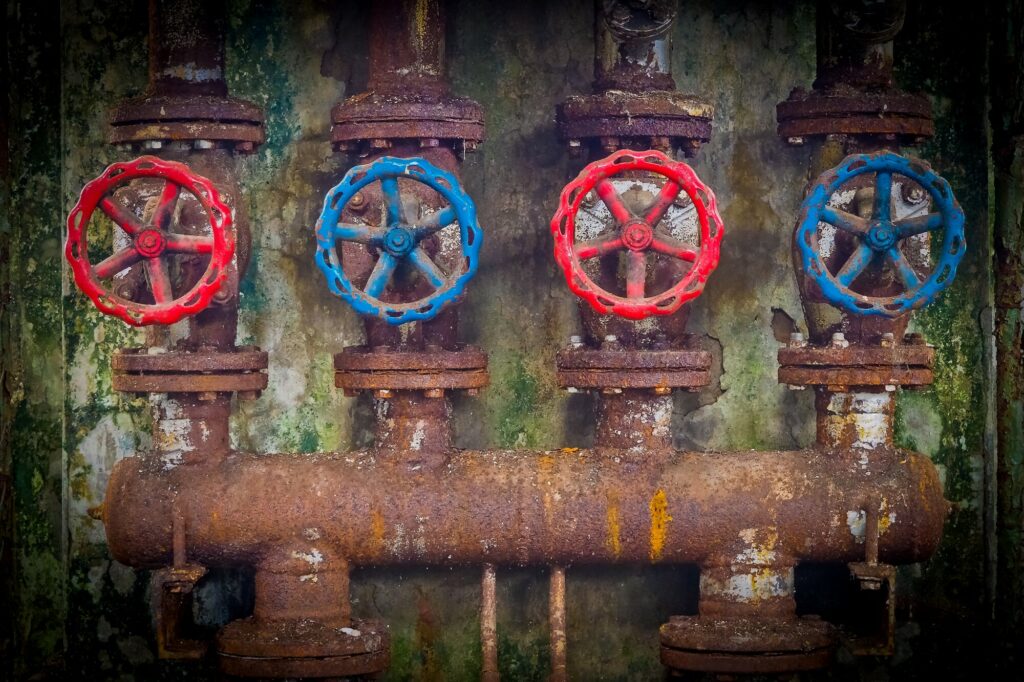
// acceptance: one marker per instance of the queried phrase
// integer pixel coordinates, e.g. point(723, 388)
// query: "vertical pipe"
point(489, 624)
point(556, 620)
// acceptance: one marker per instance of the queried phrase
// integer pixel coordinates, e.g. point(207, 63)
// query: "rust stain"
point(659, 523)
point(377, 527)
point(614, 528)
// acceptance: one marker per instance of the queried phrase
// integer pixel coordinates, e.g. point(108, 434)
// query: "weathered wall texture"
point(67, 427)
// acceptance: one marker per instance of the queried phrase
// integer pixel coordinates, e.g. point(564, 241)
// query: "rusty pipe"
point(407, 46)
point(514, 507)
point(633, 50)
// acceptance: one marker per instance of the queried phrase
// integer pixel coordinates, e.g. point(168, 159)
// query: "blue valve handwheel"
point(878, 238)
point(399, 240)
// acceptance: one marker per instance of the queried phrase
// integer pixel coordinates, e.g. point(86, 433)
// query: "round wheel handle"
point(878, 238)
point(638, 235)
point(153, 242)
point(399, 240)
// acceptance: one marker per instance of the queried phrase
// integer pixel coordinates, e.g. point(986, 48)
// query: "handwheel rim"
point(637, 234)
point(151, 243)
point(882, 236)
point(398, 242)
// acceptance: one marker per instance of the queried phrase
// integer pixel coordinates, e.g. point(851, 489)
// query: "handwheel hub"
point(150, 243)
point(398, 241)
point(881, 237)
point(637, 235)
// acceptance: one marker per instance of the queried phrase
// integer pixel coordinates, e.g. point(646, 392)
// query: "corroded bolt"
point(223, 295)
point(609, 390)
point(888, 340)
point(796, 141)
point(357, 203)
point(611, 338)
point(572, 389)
point(207, 396)
point(797, 340)
point(662, 390)
point(576, 341)
point(913, 193)
point(795, 387)
point(244, 147)
point(472, 391)
point(839, 340)
point(380, 143)
point(428, 142)
point(203, 144)
point(889, 388)
point(434, 393)
point(153, 144)
point(383, 393)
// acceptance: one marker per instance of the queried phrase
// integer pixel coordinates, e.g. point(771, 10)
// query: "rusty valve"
point(143, 198)
point(645, 235)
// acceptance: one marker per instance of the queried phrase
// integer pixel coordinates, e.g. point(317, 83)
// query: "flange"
point(242, 371)
point(361, 368)
point(590, 368)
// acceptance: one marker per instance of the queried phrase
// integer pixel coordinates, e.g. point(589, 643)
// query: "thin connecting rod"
point(489, 624)
point(556, 620)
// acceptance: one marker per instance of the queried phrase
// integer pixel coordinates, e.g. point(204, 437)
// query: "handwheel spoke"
point(165, 208)
point(847, 222)
point(656, 211)
point(855, 265)
point(434, 222)
point(381, 275)
point(110, 266)
point(361, 234)
point(611, 199)
point(597, 247)
point(904, 268)
point(636, 274)
point(120, 215)
point(908, 227)
point(159, 280)
point(427, 267)
point(673, 247)
point(185, 243)
point(883, 196)
point(393, 199)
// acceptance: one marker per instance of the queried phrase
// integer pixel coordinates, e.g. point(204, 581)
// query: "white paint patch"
point(313, 557)
point(311, 533)
point(750, 585)
point(351, 632)
point(416, 442)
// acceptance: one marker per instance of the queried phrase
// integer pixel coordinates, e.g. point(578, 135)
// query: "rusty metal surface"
point(556, 624)
point(618, 367)
point(302, 649)
point(841, 364)
point(710, 498)
point(407, 97)
point(855, 376)
point(171, 593)
point(648, 120)
point(360, 368)
point(848, 112)
point(138, 371)
point(187, 97)
point(489, 624)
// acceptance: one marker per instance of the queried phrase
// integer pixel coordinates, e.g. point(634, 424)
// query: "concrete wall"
point(63, 426)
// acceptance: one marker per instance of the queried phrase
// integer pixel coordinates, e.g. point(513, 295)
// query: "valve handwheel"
point(638, 235)
point(879, 238)
point(153, 243)
point(399, 241)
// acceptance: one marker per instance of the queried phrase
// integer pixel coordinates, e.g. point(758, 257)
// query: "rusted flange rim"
point(820, 113)
point(858, 365)
point(302, 649)
point(744, 645)
point(136, 371)
point(369, 116)
point(360, 368)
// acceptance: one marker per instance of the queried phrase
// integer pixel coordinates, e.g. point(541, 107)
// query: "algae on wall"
point(518, 60)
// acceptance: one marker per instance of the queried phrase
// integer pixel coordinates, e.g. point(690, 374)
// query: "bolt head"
point(797, 340)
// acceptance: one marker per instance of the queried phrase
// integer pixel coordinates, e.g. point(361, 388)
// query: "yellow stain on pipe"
point(614, 530)
point(377, 528)
point(659, 523)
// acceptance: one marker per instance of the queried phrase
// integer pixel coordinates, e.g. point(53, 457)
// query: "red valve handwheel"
point(638, 235)
point(153, 242)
